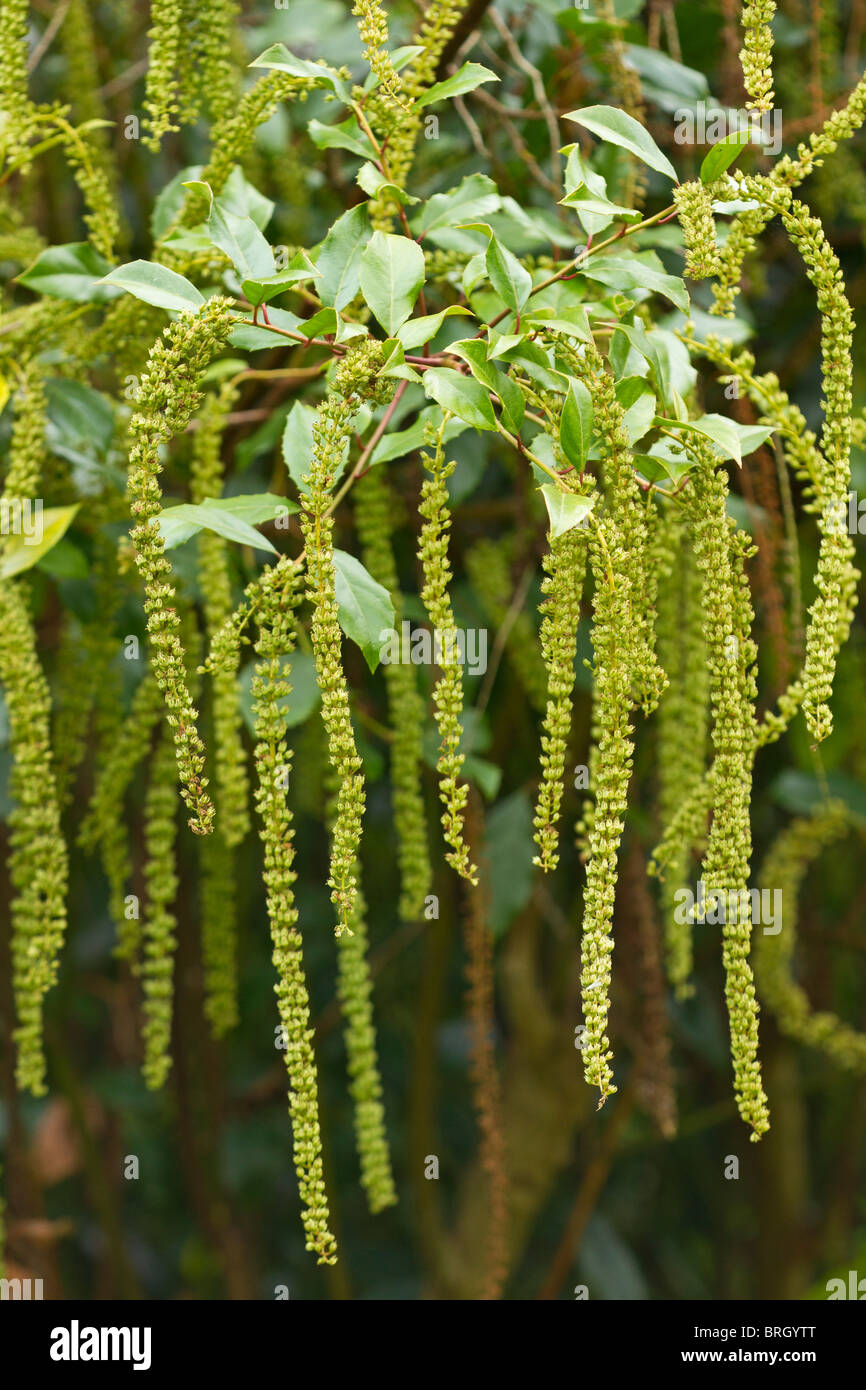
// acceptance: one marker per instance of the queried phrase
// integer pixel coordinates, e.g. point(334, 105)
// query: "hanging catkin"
point(206, 483)
point(783, 871)
point(756, 55)
point(121, 748)
point(16, 111)
point(159, 923)
point(611, 771)
point(448, 694)
point(373, 501)
point(355, 990)
point(565, 566)
point(38, 864)
point(682, 735)
point(167, 398)
point(720, 550)
point(331, 432)
point(273, 767)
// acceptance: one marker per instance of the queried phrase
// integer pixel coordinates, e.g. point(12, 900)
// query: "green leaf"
point(300, 671)
point(575, 426)
point(345, 136)
point(391, 276)
point(298, 444)
point(461, 396)
point(18, 552)
point(239, 196)
point(65, 561)
point(415, 333)
point(225, 516)
point(364, 608)
point(240, 239)
point(628, 273)
point(251, 336)
point(73, 271)
point(262, 291)
point(565, 509)
point(474, 352)
point(373, 181)
point(475, 197)
point(723, 154)
point(572, 321)
point(80, 415)
point(508, 852)
point(594, 205)
point(508, 277)
point(618, 128)
point(466, 79)
point(402, 442)
point(730, 436)
point(638, 400)
point(339, 257)
point(394, 362)
point(169, 202)
point(278, 56)
point(155, 284)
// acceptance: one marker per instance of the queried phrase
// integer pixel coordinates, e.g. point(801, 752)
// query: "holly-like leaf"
point(20, 551)
point(461, 396)
point(230, 517)
point(723, 154)
point(339, 257)
point(415, 333)
point(391, 276)
point(616, 127)
point(74, 271)
point(348, 135)
point(474, 352)
point(278, 56)
point(565, 509)
point(155, 284)
point(373, 181)
point(262, 291)
point(575, 426)
point(240, 239)
point(364, 607)
point(730, 436)
point(466, 79)
point(477, 196)
point(627, 273)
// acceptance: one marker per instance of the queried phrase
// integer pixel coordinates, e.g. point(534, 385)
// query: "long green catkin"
point(682, 737)
point(354, 381)
point(159, 923)
point(273, 766)
point(38, 865)
point(405, 706)
point(610, 778)
point(206, 483)
point(121, 749)
point(168, 396)
point(448, 694)
point(565, 566)
point(355, 990)
point(720, 551)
